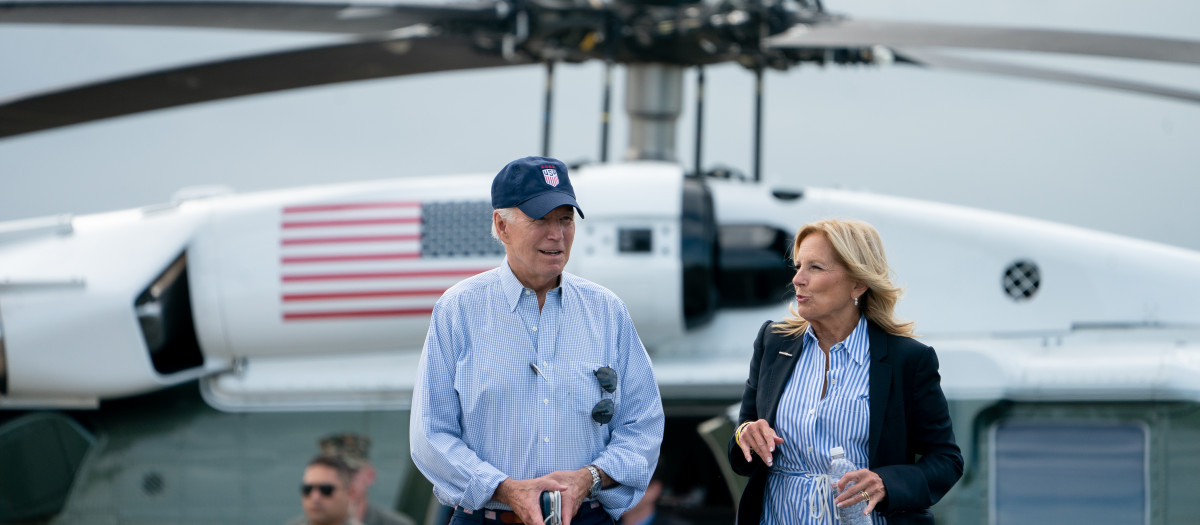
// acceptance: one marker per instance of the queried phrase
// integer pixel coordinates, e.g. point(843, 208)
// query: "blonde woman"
point(842, 371)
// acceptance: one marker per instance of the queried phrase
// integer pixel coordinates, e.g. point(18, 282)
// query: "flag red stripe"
point(357, 313)
point(350, 206)
point(361, 257)
point(361, 295)
point(363, 238)
point(383, 275)
point(351, 222)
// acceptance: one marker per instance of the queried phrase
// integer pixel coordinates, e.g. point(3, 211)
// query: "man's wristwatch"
point(595, 492)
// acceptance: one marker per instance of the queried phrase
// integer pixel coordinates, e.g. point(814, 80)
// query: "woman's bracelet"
point(737, 434)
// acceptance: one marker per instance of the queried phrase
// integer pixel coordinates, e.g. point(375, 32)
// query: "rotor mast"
point(653, 101)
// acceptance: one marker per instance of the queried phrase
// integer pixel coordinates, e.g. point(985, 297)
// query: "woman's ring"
point(865, 495)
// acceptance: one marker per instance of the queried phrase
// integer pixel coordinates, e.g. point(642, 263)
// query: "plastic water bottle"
point(840, 466)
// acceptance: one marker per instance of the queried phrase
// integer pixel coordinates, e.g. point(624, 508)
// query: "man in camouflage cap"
point(353, 450)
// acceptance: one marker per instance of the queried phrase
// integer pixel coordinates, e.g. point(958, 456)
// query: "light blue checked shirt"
point(481, 414)
point(811, 425)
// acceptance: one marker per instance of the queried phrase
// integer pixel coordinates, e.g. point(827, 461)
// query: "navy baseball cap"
point(536, 185)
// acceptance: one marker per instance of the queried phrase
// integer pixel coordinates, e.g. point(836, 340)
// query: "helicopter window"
point(1060, 472)
point(753, 265)
point(164, 311)
point(634, 240)
point(698, 253)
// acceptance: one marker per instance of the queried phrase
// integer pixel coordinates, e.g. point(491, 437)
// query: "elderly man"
point(325, 493)
point(533, 379)
point(353, 450)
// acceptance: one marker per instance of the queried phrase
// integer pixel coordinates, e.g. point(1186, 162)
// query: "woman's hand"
point(758, 437)
point(868, 486)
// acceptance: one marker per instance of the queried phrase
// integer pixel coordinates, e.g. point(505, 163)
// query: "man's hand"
point(579, 485)
point(525, 497)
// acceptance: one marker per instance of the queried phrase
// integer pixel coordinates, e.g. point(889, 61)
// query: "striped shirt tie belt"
point(818, 499)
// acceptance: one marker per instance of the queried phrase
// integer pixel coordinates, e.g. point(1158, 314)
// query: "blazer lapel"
point(782, 358)
point(880, 385)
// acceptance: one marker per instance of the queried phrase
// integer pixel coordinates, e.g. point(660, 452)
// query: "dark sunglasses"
point(325, 489)
point(603, 411)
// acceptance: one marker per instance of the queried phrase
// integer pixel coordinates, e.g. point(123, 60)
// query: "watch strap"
point(595, 492)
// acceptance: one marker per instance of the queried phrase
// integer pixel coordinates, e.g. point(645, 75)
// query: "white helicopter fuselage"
point(318, 298)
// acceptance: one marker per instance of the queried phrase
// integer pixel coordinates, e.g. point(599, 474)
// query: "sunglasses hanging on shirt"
point(603, 411)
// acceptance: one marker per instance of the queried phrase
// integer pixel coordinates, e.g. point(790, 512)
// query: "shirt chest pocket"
point(584, 390)
point(848, 404)
point(849, 415)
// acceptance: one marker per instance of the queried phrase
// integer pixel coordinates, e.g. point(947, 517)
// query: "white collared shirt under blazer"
point(481, 413)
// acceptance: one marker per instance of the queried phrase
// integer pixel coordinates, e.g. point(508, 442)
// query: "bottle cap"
point(837, 451)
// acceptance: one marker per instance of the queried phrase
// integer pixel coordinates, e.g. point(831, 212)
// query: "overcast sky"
point(1111, 161)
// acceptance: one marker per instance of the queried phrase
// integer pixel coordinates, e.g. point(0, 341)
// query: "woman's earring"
point(855, 301)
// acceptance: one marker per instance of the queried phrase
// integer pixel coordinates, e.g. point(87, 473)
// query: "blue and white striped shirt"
point(811, 425)
point(481, 414)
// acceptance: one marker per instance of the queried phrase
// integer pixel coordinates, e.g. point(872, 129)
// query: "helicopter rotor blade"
point(934, 59)
point(276, 16)
point(360, 59)
point(864, 33)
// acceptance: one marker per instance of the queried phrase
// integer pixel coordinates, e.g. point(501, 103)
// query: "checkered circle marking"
point(1021, 280)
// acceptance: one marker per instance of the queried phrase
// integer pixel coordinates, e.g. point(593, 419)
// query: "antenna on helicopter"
point(758, 97)
point(609, 38)
point(699, 116)
point(548, 107)
point(605, 113)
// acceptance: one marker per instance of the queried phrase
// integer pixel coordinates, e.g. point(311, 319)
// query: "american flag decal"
point(362, 260)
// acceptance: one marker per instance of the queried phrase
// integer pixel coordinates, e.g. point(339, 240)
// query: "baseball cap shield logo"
point(551, 176)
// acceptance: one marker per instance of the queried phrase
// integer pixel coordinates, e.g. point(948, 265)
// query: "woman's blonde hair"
point(859, 249)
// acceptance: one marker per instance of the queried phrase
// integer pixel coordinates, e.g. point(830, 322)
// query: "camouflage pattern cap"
point(351, 448)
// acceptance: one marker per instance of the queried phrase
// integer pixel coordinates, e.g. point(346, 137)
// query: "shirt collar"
point(512, 287)
point(857, 343)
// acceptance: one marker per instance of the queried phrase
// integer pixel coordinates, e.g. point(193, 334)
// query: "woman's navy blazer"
point(911, 444)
